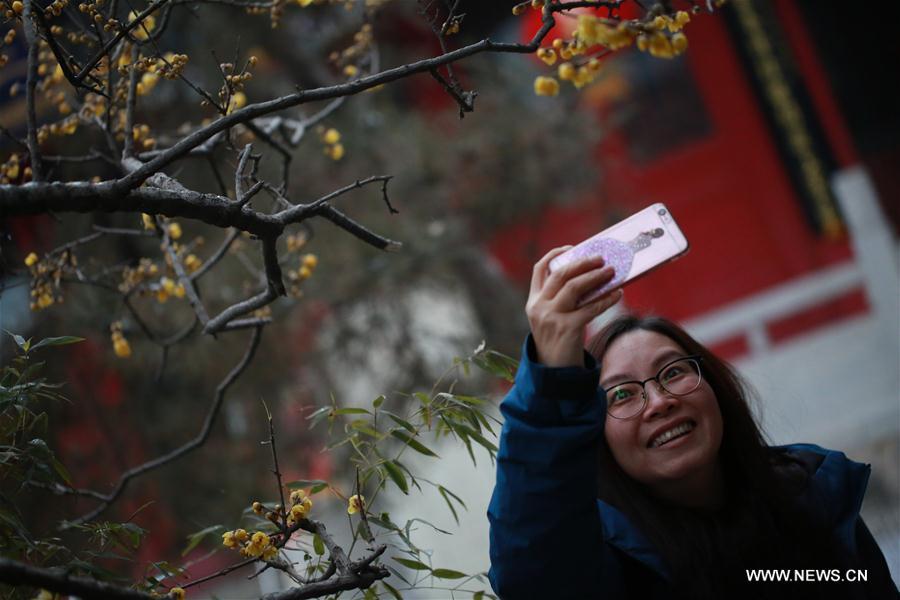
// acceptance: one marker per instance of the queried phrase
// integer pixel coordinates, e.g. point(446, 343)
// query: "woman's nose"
point(658, 400)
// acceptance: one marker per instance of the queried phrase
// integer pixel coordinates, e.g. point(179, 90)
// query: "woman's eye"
point(620, 394)
point(672, 372)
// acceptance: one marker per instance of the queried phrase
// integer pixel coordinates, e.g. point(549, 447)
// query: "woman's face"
point(683, 460)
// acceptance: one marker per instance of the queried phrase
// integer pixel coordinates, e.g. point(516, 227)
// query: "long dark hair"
point(707, 551)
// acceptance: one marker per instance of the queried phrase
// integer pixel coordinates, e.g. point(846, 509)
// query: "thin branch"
point(31, 38)
point(195, 443)
point(59, 581)
point(350, 226)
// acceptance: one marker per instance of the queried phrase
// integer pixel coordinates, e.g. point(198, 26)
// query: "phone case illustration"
point(633, 247)
point(618, 254)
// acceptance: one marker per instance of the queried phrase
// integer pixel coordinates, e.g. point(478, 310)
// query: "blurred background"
point(773, 141)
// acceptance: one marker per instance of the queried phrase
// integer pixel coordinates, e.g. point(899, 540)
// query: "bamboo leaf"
point(57, 341)
point(447, 574)
point(412, 564)
point(397, 476)
point(412, 443)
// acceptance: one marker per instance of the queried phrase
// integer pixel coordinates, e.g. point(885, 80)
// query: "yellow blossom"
point(305, 3)
point(335, 152)
point(304, 272)
point(241, 535)
point(147, 25)
point(192, 263)
point(299, 511)
point(356, 504)
point(31, 259)
point(228, 540)
point(149, 221)
point(258, 508)
point(177, 593)
point(121, 347)
point(238, 101)
point(566, 71)
point(45, 595)
point(167, 284)
point(548, 55)
point(546, 86)
point(174, 231)
point(310, 260)
point(270, 553)
point(679, 43)
point(350, 71)
point(178, 291)
point(332, 136)
point(260, 539)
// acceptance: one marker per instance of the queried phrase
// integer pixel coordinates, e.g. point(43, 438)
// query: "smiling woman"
point(635, 469)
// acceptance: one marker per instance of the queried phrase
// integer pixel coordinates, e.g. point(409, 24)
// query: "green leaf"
point(21, 342)
point(401, 422)
point(352, 411)
point(478, 438)
point(444, 491)
point(397, 476)
point(447, 574)
point(424, 398)
point(57, 341)
point(497, 364)
point(362, 426)
point(194, 539)
point(364, 531)
point(318, 415)
point(318, 545)
point(414, 444)
point(479, 595)
point(377, 402)
point(393, 591)
point(305, 483)
point(432, 525)
point(412, 564)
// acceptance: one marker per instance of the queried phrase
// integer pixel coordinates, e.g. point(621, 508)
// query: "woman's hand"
point(557, 320)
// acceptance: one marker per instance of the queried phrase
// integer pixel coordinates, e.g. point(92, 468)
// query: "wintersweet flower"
point(355, 504)
point(241, 535)
point(177, 593)
point(546, 86)
point(31, 259)
point(332, 136)
point(228, 540)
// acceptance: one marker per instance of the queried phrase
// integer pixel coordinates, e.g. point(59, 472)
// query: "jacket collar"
point(618, 531)
point(838, 485)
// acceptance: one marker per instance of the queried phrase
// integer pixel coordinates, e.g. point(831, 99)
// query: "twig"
point(31, 38)
point(58, 580)
point(198, 440)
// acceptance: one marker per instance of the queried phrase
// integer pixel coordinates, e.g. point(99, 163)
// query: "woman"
point(637, 471)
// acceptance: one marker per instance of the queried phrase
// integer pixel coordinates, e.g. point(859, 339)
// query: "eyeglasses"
point(677, 378)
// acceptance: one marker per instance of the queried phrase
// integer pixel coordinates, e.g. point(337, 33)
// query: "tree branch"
point(195, 443)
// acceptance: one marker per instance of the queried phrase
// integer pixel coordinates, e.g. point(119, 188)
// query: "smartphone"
point(642, 242)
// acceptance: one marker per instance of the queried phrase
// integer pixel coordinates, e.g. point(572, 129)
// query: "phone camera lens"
point(661, 212)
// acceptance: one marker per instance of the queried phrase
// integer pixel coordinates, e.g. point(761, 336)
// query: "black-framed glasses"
point(678, 377)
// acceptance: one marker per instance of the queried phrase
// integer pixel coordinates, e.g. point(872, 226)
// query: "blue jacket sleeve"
point(545, 533)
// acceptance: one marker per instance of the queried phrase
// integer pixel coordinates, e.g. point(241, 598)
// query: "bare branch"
point(59, 581)
point(195, 443)
point(31, 38)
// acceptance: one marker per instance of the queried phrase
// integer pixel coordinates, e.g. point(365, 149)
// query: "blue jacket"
point(551, 537)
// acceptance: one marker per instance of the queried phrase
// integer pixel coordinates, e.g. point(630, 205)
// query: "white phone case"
point(645, 240)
